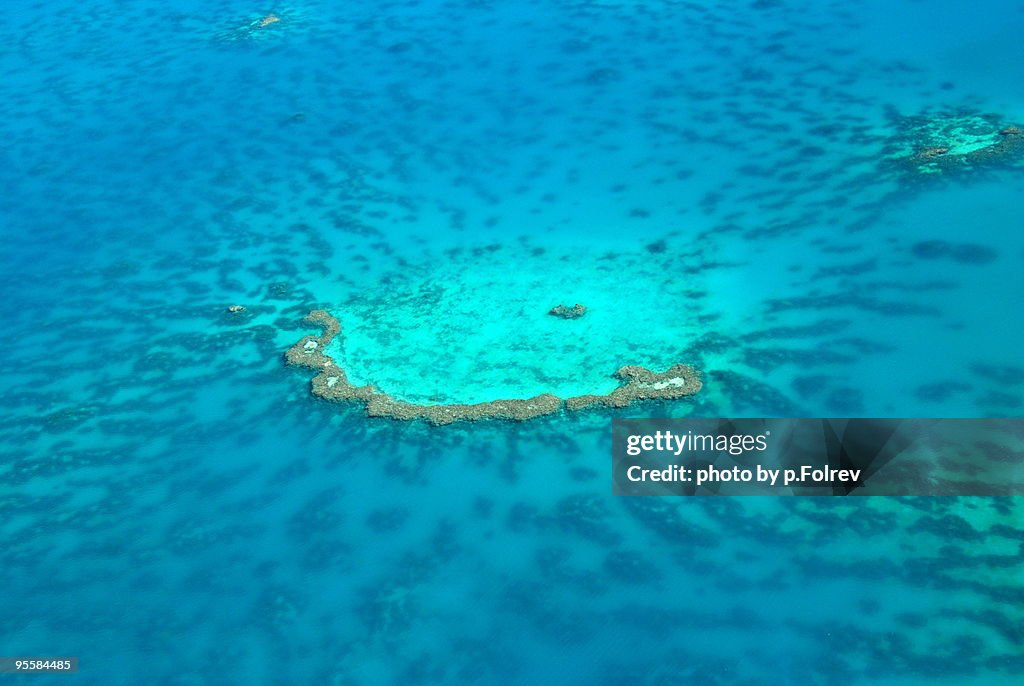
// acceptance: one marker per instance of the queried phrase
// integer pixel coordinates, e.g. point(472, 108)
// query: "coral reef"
point(267, 21)
point(640, 384)
point(950, 142)
point(261, 26)
point(574, 312)
point(331, 383)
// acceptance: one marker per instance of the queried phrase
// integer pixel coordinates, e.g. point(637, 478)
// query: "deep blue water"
point(721, 183)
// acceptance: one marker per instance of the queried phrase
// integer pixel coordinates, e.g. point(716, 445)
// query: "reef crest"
point(331, 383)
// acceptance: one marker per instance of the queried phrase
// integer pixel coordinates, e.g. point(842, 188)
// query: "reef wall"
point(331, 383)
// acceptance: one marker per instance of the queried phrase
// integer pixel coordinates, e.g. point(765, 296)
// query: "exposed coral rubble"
point(638, 383)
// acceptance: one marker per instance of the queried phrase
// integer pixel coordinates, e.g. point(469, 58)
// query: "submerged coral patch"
point(331, 383)
point(262, 26)
point(950, 142)
point(565, 312)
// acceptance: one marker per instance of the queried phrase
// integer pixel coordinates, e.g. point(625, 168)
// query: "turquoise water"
point(713, 180)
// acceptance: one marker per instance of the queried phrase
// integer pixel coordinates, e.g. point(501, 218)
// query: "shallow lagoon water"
point(707, 179)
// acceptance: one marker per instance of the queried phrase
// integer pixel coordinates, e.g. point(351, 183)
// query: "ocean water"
point(720, 183)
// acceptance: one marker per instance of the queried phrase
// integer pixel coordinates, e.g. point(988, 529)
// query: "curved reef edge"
point(638, 383)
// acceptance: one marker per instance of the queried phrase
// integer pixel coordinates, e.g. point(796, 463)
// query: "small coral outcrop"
point(574, 312)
